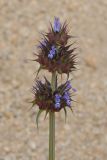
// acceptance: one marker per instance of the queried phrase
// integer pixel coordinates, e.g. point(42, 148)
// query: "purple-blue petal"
point(57, 100)
point(43, 43)
point(66, 96)
point(68, 85)
point(50, 56)
point(74, 89)
point(68, 102)
point(58, 95)
point(57, 25)
point(57, 105)
point(52, 52)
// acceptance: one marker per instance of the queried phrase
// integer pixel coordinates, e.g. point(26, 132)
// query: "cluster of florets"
point(54, 53)
point(65, 96)
point(48, 100)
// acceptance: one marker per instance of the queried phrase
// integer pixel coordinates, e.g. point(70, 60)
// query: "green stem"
point(52, 126)
point(51, 136)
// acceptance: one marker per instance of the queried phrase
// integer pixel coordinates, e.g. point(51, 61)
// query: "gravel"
point(84, 136)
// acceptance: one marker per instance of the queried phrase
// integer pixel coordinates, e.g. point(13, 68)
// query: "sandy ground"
point(84, 136)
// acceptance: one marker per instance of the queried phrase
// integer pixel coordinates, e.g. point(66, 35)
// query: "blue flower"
point(57, 25)
point(52, 52)
point(50, 56)
point(57, 105)
point(74, 89)
point(57, 100)
point(68, 85)
point(43, 43)
point(68, 102)
point(66, 97)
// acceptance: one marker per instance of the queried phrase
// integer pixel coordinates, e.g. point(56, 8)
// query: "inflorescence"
point(46, 99)
point(55, 55)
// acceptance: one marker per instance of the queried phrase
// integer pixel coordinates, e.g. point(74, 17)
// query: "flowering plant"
point(56, 56)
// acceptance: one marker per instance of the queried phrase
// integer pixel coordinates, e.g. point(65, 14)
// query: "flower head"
point(46, 99)
point(54, 52)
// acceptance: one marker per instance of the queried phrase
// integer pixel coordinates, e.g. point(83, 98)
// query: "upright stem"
point(51, 136)
point(52, 126)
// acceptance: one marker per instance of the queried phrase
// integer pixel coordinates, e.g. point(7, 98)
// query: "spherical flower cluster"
point(46, 99)
point(55, 55)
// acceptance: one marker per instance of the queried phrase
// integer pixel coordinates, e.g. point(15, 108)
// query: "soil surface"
point(84, 136)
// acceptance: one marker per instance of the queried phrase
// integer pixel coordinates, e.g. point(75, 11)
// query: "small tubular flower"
point(57, 25)
point(42, 43)
point(57, 100)
point(67, 98)
point(68, 85)
point(52, 52)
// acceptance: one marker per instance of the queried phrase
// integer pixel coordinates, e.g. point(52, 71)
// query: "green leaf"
point(67, 76)
point(38, 115)
point(71, 110)
point(65, 111)
point(38, 71)
point(33, 103)
point(46, 113)
point(61, 78)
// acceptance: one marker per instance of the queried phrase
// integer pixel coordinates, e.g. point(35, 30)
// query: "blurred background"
point(84, 136)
